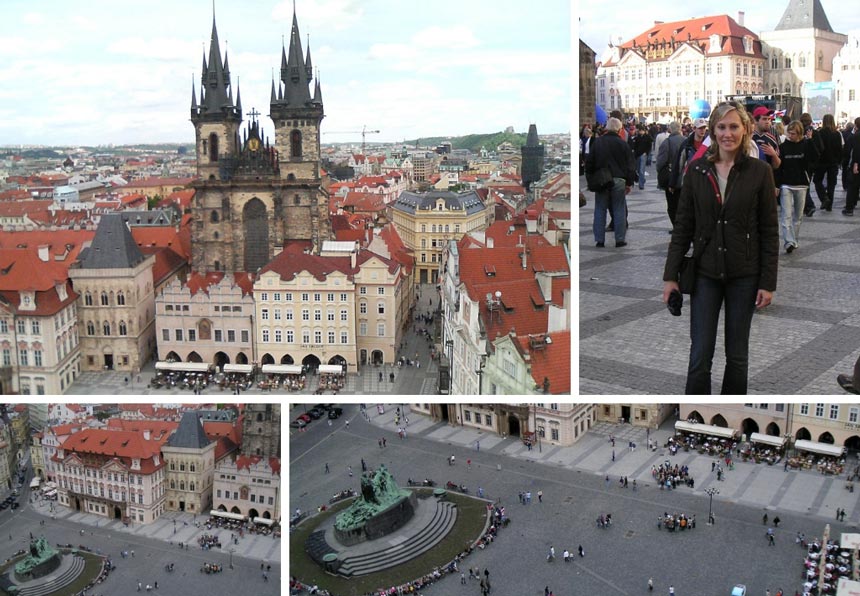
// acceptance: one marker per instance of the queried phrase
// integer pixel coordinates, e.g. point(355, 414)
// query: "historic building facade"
point(190, 458)
point(261, 430)
point(660, 73)
point(252, 196)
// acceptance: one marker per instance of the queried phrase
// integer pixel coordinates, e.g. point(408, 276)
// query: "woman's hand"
point(763, 298)
point(668, 287)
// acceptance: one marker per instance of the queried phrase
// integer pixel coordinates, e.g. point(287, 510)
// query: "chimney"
point(490, 242)
point(741, 18)
point(352, 258)
point(525, 257)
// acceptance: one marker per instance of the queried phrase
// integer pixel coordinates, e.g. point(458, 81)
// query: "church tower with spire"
point(253, 196)
point(216, 118)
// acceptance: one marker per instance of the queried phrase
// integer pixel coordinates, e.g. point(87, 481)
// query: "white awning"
point(704, 429)
point(820, 448)
point(227, 515)
point(282, 369)
point(239, 368)
point(183, 366)
point(331, 368)
point(264, 521)
point(767, 439)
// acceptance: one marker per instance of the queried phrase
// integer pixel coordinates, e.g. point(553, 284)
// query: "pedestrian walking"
point(776, 521)
point(764, 519)
point(132, 554)
point(650, 584)
point(540, 496)
point(363, 465)
point(528, 497)
point(347, 424)
point(326, 471)
point(671, 590)
point(610, 153)
point(463, 577)
point(581, 551)
point(551, 555)
point(156, 585)
point(349, 470)
point(793, 176)
point(613, 455)
point(727, 270)
point(139, 586)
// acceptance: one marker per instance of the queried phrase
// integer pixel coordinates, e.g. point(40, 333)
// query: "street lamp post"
point(231, 557)
point(711, 492)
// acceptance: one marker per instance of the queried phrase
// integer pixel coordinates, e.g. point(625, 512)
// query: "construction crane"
point(364, 132)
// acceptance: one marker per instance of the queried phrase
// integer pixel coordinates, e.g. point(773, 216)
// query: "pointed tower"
point(532, 158)
point(216, 119)
point(295, 114)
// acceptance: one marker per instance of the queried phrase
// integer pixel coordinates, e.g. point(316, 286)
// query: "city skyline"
point(596, 30)
point(95, 77)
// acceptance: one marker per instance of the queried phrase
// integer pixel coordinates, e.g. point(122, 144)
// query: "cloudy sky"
point(108, 72)
point(635, 16)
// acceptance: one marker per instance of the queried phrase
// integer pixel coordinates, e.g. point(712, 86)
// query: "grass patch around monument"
point(91, 571)
point(471, 516)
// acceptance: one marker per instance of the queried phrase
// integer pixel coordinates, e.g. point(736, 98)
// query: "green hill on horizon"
point(473, 142)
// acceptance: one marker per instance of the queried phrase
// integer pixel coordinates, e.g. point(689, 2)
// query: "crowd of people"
point(824, 565)
point(669, 476)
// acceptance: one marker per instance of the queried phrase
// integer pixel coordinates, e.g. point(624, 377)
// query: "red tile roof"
point(156, 181)
point(21, 208)
point(289, 264)
point(200, 282)
point(160, 429)
point(181, 198)
point(368, 202)
point(488, 270)
point(22, 271)
point(167, 263)
point(551, 362)
point(60, 242)
point(511, 233)
point(122, 444)
point(246, 461)
point(397, 248)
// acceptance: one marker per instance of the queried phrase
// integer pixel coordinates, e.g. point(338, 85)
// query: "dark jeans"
point(852, 194)
point(614, 200)
point(739, 295)
point(672, 196)
point(825, 195)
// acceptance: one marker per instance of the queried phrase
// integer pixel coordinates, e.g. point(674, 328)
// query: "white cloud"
point(322, 14)
point(159, 48)
point(84, 24)
point(458, 37)
point(24, 46)
point(34, 18)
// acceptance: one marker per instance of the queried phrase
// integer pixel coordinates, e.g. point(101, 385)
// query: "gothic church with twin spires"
point(252, 195)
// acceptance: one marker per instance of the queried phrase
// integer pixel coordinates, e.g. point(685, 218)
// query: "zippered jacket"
point(732, 236)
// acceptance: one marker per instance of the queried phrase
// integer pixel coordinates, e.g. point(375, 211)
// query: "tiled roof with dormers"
point(551, 361)
point(490, 270)
point(121, 444)
point(289, 264)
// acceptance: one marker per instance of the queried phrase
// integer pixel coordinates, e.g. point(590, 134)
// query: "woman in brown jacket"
point(727, 210)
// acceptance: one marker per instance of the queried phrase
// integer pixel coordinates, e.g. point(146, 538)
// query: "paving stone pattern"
point(630, 344)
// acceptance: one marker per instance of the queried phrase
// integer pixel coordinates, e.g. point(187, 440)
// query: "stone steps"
point(429, 536)
point(65, 577)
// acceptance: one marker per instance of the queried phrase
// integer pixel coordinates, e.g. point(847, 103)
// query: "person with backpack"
point(667, 175)
point(830, 144)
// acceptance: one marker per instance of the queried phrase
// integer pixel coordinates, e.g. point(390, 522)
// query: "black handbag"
point(599, 180)
point(687, 275)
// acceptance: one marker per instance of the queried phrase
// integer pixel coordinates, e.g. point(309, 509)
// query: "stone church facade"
point(253, 195)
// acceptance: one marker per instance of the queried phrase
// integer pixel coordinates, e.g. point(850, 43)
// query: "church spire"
point(317, 91)
point(293, 71)
point(218, 98)
point(193, 98)
point(308, 68)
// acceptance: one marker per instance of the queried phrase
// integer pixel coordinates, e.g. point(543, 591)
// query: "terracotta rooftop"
point(552, 361)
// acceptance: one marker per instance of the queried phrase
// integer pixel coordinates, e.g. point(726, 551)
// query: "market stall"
point(764, 448)
point(705, 438)
point(237, 375)
point(185, 375)
point(332, 377)
point(286, 376)
point(824, 457)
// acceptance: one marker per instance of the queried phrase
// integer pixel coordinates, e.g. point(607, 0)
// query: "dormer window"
point(135, 463)
point(714, 44)
point(748, 44)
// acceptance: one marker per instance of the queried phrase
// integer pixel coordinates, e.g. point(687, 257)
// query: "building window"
point(277, 297)
point(277, 314)
point(7, 357)
point(380, 291)
point(306, 336)
point(219, 335)
point(344, 337)
point(317, 336)
point(362, 307)
point(22, 327)
point(381, 308)
point(362, 290)
point(296, 143)
point(331, 336)
point(317, 314)
point(290, 337)
point(853, 414)
point(362, 329)
point(91, 329)
point(104, 299)
point(380, 330)
point(178, 333)
point(35, 327)
point(106, 328)
point(834, 411)
point(330, 314)
point(553, 434)
point(305, 297)
point(330, 296)
point(819, 410)
point(123, 330)
point(264, 314)
point(289, 296)
point(23, 358)
point(306, 314)
point(278, 336)
point(344, 315)
point(343, 297)
point(245, 336)
point(489, 419)
point(804, 409)
point(120, 299)
point(88, 299)
point(317, 296)
point(37, 360)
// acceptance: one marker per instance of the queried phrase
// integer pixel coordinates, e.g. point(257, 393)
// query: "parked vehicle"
point(739, 590)
point(298, 423)
point(335, 413)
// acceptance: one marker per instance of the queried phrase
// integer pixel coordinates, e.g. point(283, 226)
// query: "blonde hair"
point(720, 112)
point(779, 127)
point(796, 126)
